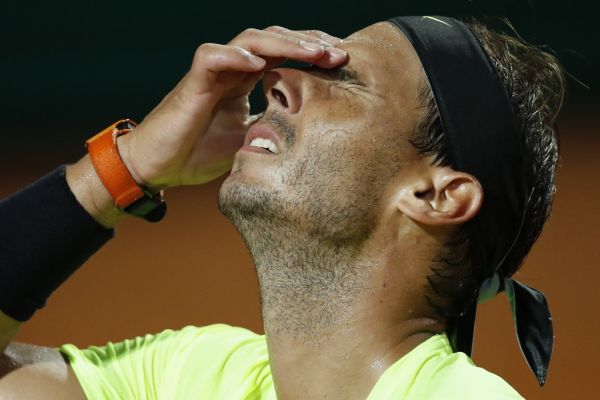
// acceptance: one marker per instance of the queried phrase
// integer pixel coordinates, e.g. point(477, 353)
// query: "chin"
point(253, 174)
point(242, 196)
point(241, 181)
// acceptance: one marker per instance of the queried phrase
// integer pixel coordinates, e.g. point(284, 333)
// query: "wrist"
point(117, 179)
point(91, 193)
point(124, 146)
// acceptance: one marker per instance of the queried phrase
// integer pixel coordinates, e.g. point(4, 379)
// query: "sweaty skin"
point(342, 268)
point(189, 138)
point(353, 215)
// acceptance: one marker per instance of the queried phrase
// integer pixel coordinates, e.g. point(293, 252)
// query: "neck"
point(334, 321)
point(307, 287)
point(337, 312)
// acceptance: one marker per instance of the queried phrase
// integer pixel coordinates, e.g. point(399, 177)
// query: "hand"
point(193, 134)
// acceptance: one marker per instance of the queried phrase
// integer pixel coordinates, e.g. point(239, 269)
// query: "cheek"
point(347, 141)
point(336, 162)
point(338, 171)
point(334, 186)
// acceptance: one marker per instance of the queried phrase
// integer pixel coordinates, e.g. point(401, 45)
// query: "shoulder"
point(215, 337)
point(173, 364)
point(433, 371)
point(218, 357)
point(219, 344)
point(211, 339)
point(455, 376)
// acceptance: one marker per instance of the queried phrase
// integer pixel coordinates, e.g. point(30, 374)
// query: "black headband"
point(484, 141)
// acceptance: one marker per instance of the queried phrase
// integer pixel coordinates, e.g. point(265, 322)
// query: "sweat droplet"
point(377, 365)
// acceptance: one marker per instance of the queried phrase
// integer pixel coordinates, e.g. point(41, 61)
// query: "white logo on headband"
point(437, 20)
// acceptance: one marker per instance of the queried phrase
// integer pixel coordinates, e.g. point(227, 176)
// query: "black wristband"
point(45, 235)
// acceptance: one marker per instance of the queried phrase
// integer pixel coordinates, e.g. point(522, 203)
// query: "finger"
point(309, 35)
point(332, 40)
point(211, 59)
point(216, 58)
point(331, 54)
point(320, 35)
point(276, 45)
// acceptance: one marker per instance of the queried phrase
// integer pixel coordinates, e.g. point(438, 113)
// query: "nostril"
point(279, 96)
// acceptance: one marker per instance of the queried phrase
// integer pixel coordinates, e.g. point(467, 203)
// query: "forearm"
point(93, 197)
point(75, 194)
point(46, 235)
point(91, 194)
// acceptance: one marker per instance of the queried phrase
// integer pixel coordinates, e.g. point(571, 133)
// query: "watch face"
point(152, 209)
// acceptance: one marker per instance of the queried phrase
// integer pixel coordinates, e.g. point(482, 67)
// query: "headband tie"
point(484, 141)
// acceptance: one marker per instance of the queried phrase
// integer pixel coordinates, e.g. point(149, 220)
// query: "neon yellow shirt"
point(224, 362)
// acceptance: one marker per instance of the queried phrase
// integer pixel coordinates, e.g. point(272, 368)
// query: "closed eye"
point(343, 74)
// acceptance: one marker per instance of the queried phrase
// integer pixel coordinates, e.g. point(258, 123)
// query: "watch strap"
point(127, 194)
point(110, 166)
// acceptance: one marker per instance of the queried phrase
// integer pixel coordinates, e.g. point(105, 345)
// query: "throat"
point(309, 293)
point(307, 288)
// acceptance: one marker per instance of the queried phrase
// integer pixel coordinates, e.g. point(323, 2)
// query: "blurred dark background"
point(70, 68)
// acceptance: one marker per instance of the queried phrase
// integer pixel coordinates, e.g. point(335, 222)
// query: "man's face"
point(341, 137)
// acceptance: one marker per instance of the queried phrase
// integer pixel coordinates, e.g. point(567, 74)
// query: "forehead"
point(385, 56)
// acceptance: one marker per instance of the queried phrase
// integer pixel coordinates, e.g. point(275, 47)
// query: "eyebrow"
point(341, 74)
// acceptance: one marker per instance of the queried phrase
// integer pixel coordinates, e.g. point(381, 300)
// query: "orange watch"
point(128, 195)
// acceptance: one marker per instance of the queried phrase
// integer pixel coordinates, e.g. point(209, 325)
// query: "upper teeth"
point(265, 144)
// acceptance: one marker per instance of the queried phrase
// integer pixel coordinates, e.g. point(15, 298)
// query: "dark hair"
point(534, 82)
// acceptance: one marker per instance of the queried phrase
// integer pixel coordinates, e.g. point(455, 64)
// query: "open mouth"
point(265, 144)
point(260, 138)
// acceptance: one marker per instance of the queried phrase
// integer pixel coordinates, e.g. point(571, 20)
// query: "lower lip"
point(256, 150)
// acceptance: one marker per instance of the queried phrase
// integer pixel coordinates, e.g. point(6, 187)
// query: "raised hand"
point(193, 134)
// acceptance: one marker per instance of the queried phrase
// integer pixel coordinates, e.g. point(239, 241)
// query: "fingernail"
point(251, 57)
point(337, 52)
point(256, 60)
point(312, 47)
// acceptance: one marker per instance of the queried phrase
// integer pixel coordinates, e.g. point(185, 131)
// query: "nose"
point(283, 89)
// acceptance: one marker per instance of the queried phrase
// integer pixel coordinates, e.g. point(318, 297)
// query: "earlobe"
point(441, 197)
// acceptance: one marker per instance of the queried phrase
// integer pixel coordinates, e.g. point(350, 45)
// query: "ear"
point(440, 196)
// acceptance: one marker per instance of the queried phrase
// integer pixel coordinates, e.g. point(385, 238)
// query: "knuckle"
point(313, 32)
point(205, 53)
point(204, 49)
point(250, 32)
point(246, 34)
point(275, 28)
